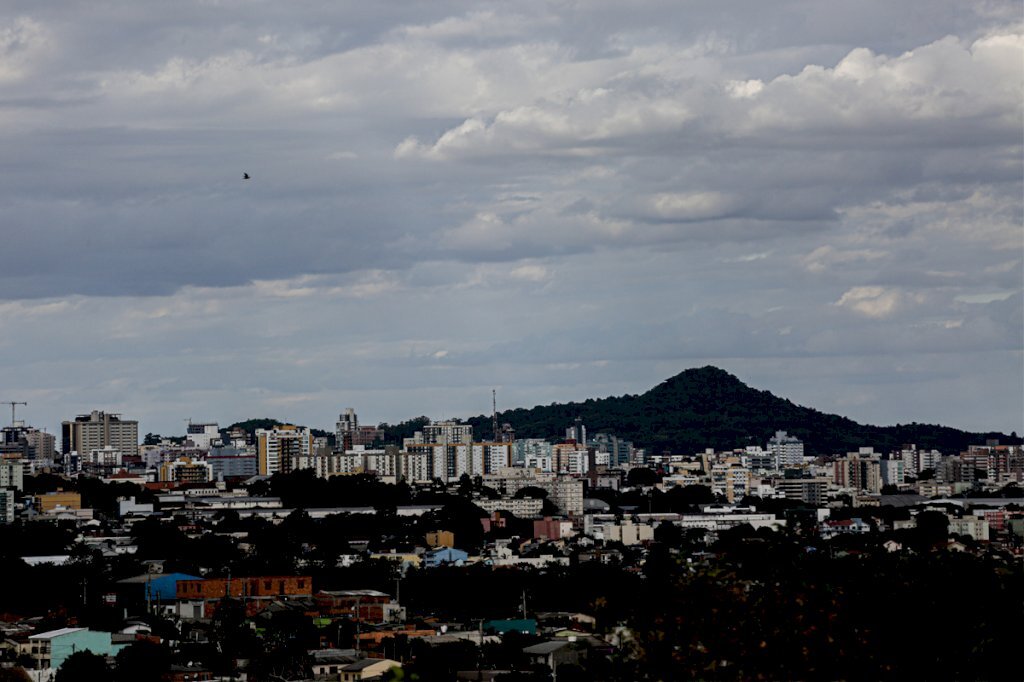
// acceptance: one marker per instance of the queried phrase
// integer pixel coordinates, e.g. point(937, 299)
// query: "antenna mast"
point(494, 409)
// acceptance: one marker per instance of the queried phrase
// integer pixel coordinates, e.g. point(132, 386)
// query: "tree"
point(932, 527)
point(641, 476)
point(83, 666)
point(143, 661)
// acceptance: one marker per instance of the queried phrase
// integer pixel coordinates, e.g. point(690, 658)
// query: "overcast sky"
point(559, 200)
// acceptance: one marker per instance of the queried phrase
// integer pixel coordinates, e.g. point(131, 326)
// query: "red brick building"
point(255, 591)
point(365, 605)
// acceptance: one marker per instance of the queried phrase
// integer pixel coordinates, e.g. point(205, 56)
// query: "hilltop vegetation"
point(708, 407)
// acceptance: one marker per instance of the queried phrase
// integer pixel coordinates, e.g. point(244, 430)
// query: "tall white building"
point(443, 433)
point(915, 461)
point(202, 434)
point(893, 472)
point(12, 474)
point(787, 450)
point(527, 447)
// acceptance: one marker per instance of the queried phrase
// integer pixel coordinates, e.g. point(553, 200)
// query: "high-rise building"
point(577, 432)
point(443, 433)
point(186, 470)
point(536, 447)
point(731, 480)
point(42, 445)
point(6, 506)
point(809, 490)
point(570, 458)
point(26, 442)
point(893, 471)
point(277, 447)
point(620, 451)
point(98, 430)
point(203, 435)
point(346, 428)
point(232, 462)
point(12, 474)
point(859, 471)
point(787, 450)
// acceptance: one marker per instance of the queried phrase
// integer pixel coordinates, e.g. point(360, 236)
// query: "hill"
point(708, 407)
point(251, 425)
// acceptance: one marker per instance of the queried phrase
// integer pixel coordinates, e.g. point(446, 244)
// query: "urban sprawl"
point(287, 553)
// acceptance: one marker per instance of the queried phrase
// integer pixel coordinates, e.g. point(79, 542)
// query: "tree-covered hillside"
point(708, 407)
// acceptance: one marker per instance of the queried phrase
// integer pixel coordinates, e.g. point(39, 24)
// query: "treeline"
point(708, 407)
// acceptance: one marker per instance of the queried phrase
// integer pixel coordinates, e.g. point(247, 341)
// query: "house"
point(555, 653)
point(327, 663)
point(366, 669)
point(855, 526)
point(892, 546)
point(365, 605)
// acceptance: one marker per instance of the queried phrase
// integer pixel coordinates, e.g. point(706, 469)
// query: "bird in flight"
point(245, 176)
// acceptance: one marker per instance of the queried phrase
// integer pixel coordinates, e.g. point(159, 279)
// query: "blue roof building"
point(445, 555)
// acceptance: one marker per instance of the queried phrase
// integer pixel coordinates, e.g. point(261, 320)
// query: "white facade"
point(12, 474)
point(104, 457)
point(893, 472)
point(787, 450)
point(542, 462)
point(527, 447)
point(445, 432)
point(522, 508)
point(202, 435)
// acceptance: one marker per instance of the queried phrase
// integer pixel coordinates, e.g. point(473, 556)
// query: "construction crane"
point(12, 403)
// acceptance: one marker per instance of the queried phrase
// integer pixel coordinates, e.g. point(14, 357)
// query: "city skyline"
point(558, 201)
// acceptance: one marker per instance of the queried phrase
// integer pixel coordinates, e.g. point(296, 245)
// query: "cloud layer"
point(561, 199)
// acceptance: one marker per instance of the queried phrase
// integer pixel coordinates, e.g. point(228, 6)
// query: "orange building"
point(50, 501)
point(441, 538)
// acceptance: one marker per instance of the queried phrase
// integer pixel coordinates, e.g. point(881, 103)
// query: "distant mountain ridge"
point(710, 408)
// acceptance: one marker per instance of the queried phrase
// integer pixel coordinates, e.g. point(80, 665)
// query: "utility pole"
point(480, 657)
point(12, 403)
point(359, 623)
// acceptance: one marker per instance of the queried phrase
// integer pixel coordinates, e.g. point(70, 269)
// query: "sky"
point(555, 200)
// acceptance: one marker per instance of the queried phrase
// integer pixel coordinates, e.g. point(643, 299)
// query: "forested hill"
point(708, 407)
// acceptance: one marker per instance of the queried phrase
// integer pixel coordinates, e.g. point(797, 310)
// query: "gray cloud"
point(565, 199)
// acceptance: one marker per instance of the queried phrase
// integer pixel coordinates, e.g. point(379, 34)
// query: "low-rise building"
point(368, 668)
point(49, 650)
point(199, 598)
